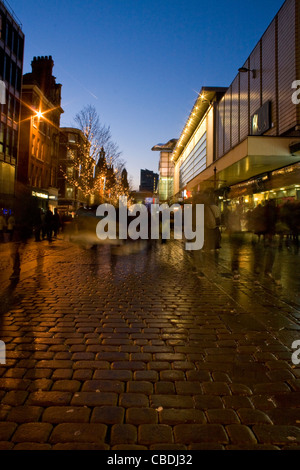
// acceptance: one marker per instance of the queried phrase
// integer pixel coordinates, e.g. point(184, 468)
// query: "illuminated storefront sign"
point(261, 119)
point(39, 194)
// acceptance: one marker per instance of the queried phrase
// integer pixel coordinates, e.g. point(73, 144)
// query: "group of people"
point(43, 224)
point(266, 221)
point(46, 224)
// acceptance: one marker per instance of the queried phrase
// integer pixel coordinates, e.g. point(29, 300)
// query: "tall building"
point(39, 133)
point(11, 69)
point(245, 143)
point(166, 170)
point(148, 181)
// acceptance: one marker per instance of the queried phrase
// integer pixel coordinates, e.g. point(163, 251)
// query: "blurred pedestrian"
point(49, 224)
point(234, 229)
point(56, 222)
point(3, 226)
point(11, 222)
point(37, 224)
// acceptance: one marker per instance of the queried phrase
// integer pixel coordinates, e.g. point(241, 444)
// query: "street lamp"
point(245, 69)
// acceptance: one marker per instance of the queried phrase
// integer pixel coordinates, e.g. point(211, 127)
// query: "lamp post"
point(245, 69)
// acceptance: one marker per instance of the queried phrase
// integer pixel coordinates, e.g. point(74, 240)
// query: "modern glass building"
point(11, 69)
point(165, 170)
point(244, 141)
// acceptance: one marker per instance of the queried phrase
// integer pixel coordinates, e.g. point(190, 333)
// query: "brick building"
point(39, 133)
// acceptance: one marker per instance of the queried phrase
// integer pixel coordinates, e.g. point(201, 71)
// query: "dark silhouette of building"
point(149, 181)
point(39, 133)
point(11, 69)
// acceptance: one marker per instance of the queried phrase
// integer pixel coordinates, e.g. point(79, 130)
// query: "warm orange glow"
point(39, 114)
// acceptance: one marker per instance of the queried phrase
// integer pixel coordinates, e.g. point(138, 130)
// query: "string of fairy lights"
point(93, 177)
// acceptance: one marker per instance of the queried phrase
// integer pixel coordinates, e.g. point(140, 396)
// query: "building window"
point(69, 192)
point(70, 154)
point(20, 48)
point(8, 141)
point(70, 171)
point(72, 138)
point(1, 138)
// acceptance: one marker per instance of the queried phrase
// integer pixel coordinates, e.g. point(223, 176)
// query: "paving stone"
point(6, 445)
point(103, 386)
point(263, 402)
point(128, 447)
point(91, 365)
point(200, 433)
point(290, 400)
point(66, 385)
point(271, 388)
point(40, 384)
point(108, 415)
point(4, 410)
point(240, 389)
point(24, 414)
point(140, 387)
point(163, 387)
point(66, 414)
point(171, 375)
point(32, 446)
point(237, 402)
point(78, 433)
point(149, 434)
point(32, 432)
point(277, 434)
point(148, 375)
point(7, 430)
point(128, 400)
point(198, 375)
point(13, 384)
point(171, 401)
point(252, 447)
point(240, 434)
point(38, 374)
point(181, 416)
point(122, 375)
point(206, 446)
point(249, 416)
point(188, 388)
point(15, 398)
point(62, 374)
point(49, 398)
point(215, 388)
point(288, 416)
point(82, 374)
point(123, 434)
point(94, 399)
point(221, 416)
point(141, 416)
point(168, 447)
point(206, 402)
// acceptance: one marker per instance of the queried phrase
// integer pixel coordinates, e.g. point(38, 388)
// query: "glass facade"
point(194, 163)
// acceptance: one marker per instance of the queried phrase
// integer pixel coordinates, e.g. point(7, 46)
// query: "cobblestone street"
point(157, 348)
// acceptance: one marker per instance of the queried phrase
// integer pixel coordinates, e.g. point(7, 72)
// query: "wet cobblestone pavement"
point(155, 349)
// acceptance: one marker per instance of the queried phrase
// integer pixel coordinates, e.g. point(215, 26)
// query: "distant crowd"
point(266, 221)
point(42, 224)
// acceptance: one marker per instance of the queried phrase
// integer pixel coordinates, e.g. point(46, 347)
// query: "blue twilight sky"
point(141, 63)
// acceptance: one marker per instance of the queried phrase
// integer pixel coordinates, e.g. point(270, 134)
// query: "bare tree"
point(97, 166)
point(98, 135)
